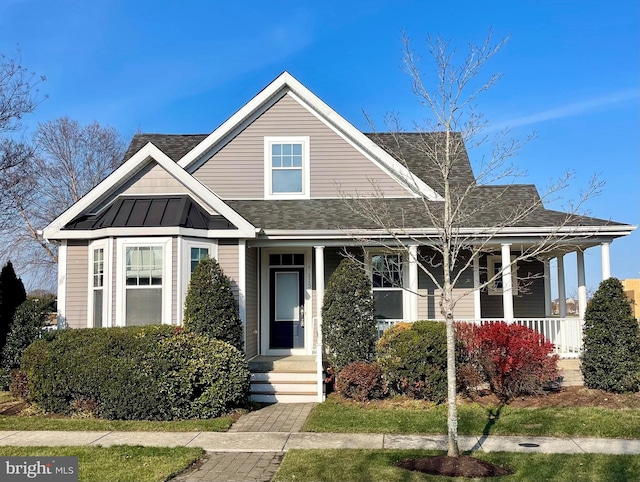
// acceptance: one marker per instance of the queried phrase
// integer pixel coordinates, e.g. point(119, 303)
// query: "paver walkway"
point(251, 466)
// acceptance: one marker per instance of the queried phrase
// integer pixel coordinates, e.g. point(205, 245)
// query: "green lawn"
point(221, 424)
point(119, 463)
point(333, 416)
point(367, 465)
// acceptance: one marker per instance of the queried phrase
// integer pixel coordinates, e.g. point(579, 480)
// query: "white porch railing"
point(564, 333)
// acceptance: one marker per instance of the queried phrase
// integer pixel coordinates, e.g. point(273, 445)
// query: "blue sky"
point(571, 74)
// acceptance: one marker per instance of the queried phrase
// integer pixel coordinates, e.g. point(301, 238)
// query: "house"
point(632, 289)
point(269, 194)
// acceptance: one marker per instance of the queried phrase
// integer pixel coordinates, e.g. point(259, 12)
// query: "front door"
point(286, 303)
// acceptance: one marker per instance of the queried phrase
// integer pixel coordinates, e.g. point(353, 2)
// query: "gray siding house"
point(270, 194)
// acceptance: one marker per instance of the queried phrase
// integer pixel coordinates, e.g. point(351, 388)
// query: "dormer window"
point(286, 167)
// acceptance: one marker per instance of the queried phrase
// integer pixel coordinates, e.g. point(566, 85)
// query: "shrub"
point(515, 360)
point(210, 308)
point(414, 360)
point(361, 381)
point(28, 321)
point(12, 295)
point(611, 354)
point(136, 373)
point(348, 323)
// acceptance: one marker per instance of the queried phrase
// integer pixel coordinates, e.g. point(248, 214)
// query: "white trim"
point(477, 304)
point(62, 283)
point(562, 293)
point(413, 283)
point(319, 257)
point(184, 267)
point(509, 287)
point(290, 85)
point(582, 285)
point(305, 168)
point(167, 255)
point(264, 302)
point(125, 172)
point(606, 261)
point(181, 287)
point(104, 245)
point(242, 288)
point(154, 231)
point(548, 308)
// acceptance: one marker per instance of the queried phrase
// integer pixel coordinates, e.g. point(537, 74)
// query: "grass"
point(366, 465)
point(334, 416)
point(220, 424)
point(119, 463)
point(40, 422)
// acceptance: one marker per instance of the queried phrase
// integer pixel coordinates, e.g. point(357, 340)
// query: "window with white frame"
point(494, 269)
point(286, 167)
point(197, 254)
point(387, 280)
point(98, 261)
point(144, 282)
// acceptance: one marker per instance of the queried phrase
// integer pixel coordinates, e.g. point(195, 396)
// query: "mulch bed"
point(462, 466)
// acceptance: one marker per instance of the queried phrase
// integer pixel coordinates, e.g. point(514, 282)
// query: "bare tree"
point(464, 222)
point(69, 160)
point(18, 97)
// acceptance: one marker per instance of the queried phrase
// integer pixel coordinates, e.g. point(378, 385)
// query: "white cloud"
point(570, 110)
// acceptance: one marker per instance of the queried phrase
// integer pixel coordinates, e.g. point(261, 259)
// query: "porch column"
point(413, 283)
point(507, 288)
point(242, 287)
point(319, 252)
point(582, 286)
point(606, 261)
point(547, 288)
point(477, 311)
point(562, 294)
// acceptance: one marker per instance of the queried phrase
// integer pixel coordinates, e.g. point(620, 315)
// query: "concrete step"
point(283, 364)
point(289, 387)
point(283, 397)
point(277, 377)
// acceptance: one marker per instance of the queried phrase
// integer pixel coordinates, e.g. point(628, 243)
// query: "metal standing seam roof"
point(151, 211)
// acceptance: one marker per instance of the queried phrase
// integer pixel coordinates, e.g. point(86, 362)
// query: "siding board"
point(77, 289)
point(237, 170)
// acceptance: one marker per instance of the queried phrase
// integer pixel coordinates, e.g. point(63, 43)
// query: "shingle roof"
point(484, 207)
point(151, 211)
point(173, 145)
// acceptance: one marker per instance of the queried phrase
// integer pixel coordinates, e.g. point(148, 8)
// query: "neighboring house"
point(266, 194)
point(632, 289)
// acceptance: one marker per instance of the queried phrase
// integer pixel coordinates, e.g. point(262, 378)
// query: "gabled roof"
point(151, 212)
point(285, 83)
point(126, 171)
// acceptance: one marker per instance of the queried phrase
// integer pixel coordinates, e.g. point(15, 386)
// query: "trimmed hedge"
point(611, 354)
point(136, 373)
point(413, 358)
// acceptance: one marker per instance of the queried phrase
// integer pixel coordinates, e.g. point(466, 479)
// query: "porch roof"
point(486, 206)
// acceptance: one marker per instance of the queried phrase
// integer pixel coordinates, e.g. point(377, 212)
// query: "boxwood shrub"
point(413, 358)
point(136, 373)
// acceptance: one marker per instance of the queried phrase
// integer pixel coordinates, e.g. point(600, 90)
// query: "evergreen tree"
point(210, 308)
point(12, 295)
point(348, 321)
point(611, 354)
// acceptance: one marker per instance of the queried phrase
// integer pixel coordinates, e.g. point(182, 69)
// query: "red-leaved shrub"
point(361, 381)
point(513, 359)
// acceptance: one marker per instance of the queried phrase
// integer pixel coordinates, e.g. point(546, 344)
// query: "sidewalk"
point(277, 442)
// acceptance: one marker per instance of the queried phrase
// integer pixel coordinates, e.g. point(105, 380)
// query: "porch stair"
point(283, 379)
